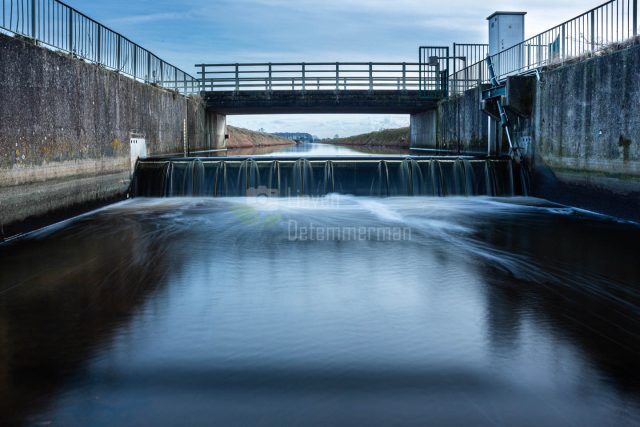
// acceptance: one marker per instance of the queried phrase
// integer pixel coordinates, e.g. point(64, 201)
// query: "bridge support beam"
point(424, 129)
point(216, 130)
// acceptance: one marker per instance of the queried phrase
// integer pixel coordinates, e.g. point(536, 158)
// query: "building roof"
point(500, 12)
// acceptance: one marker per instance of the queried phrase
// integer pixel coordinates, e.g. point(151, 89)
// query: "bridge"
point(319, 87)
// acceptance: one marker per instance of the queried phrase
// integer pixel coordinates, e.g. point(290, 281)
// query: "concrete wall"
point(64, 132)
point(461, 124)
point(586, 134)
point(423, 130)
point(580, 124)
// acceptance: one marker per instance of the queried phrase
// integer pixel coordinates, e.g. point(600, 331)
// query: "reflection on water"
point(272, 311)
point(310, 149)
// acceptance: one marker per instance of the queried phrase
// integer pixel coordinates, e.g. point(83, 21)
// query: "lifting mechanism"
point(497, 90)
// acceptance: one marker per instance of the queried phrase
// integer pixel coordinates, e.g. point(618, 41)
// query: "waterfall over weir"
point(282, 177)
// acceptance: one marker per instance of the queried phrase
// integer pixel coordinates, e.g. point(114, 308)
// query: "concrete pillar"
point(424, 130)
point(216, 130)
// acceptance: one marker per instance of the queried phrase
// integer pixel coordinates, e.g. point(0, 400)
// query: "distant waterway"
point(313, 149)
point(333, 310)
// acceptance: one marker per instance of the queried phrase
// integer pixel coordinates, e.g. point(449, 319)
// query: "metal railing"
point(612, 22)
point(56, 25)
point(309, 76)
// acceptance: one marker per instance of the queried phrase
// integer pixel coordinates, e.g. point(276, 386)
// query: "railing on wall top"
point(309, 76)
point(56, 25)
point(613, 22)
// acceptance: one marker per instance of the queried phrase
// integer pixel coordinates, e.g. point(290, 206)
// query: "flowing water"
point(315, 176)
point(335, 310)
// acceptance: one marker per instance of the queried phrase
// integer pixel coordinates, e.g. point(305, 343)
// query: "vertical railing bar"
point(33, 19)
point(70, 29)
point(635, 18)
point(237, 78)
point(135, 62)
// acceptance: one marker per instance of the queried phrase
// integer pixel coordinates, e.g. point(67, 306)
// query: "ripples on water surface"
point(467, 311)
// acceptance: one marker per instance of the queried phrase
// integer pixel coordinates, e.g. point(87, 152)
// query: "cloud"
point(186, 32)
point(148, 18)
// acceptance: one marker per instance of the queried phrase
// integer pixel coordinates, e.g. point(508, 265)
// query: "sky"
point(186, 32)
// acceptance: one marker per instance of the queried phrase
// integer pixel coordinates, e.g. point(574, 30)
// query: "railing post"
point(563, 42)
point(337, 76)
point(175, 79)
point(539, 61)
point(162, 73)
point(99, 46)
point(202, 79)
point(237, 77)
point(70, 31)
point(34, 33)
point(370, 77)
point(455, 59)
point(135, 62)
point(149, 77)
point(593, 30)
point(270, 79)
point(404, 76)
point(303, 77)
point(118, 47)
point(635, 18)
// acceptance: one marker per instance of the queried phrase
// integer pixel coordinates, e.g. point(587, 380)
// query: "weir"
point(293, 177)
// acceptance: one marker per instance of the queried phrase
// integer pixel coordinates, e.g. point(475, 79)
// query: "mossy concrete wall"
point(65, 127)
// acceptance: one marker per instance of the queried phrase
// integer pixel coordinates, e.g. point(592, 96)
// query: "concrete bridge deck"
point(320, 102)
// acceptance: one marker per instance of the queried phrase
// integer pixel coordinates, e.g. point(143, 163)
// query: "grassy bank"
point(384, 138)
point(245, 138)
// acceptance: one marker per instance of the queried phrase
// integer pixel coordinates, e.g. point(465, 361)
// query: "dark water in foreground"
point(464, 311)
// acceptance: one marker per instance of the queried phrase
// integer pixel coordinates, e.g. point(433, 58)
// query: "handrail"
point(57, 25)
point(614, 21)
point(304, 76)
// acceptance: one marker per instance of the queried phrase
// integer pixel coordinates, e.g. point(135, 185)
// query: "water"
point(313, 149)
point(366, 176)
point(240, 311)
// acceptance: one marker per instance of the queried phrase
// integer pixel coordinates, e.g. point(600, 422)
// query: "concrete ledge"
point(27, 174)
point(19, 202)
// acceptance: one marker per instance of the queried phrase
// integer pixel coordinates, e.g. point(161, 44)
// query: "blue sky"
point(186, 32)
